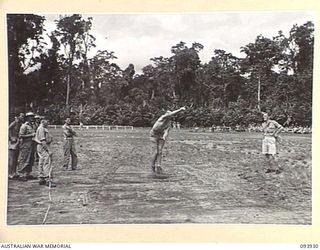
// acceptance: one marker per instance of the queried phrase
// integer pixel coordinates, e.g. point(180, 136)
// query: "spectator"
point(14, 129)
point(43, 139)
point(69, 147)
point(26, 157)
point(271, 129)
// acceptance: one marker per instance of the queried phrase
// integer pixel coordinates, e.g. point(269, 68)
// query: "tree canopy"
point(60, 79)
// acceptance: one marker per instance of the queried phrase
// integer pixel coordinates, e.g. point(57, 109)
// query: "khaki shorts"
point(156, 136)
point(269, 145)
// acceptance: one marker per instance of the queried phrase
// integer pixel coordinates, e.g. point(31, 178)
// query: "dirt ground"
point(210, 178)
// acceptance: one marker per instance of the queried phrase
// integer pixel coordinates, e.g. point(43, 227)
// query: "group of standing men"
point(30, 141)
point(29, 138)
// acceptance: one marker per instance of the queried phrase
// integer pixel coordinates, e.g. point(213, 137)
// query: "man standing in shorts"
point(270, 129)
point(158, 135)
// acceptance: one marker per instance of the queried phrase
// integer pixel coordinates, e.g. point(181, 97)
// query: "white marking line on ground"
point(50, 200)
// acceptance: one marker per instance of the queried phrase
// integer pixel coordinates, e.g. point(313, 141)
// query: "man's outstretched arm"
point(172, 113)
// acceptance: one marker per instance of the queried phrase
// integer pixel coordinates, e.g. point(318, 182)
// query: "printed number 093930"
point(309, 246)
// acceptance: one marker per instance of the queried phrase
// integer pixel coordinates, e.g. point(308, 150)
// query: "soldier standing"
point(26, 157)
point(36, 124)
point(44, 139)
point(69, 147)
point(271, 129)
point(14, 129)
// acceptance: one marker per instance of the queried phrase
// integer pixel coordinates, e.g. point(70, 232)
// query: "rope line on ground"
point(50, 200)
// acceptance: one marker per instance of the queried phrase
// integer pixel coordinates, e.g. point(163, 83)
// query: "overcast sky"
point(137, 37)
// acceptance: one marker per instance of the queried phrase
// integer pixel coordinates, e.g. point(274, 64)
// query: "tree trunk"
point(259, 90)
point(225, 99)
point(71, 56)
point(68, 90)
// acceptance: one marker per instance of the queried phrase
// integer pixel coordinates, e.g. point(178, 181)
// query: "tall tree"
point(261, 57)
point(107, 78)
point(301, 41)
point(73, 33)
point(163, 77)
point(224, 77)
point(24, 47)
point(186, 62)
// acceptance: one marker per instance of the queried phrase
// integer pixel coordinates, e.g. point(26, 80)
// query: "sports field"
point(210, 178)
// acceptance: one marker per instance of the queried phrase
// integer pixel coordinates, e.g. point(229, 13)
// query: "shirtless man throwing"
point(158, 135)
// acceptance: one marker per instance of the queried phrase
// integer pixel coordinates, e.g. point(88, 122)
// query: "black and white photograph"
point(160, 118)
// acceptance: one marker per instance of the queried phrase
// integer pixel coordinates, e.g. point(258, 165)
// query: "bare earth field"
point(210, 178)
